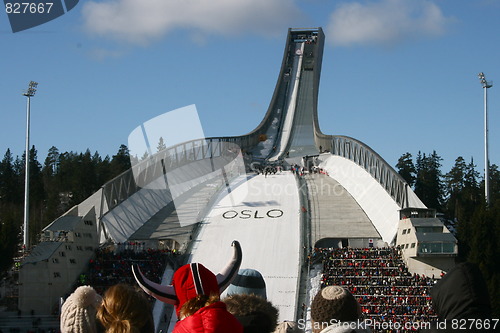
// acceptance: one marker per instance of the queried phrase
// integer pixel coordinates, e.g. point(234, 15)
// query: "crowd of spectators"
point(112, 265)
point(380, 281)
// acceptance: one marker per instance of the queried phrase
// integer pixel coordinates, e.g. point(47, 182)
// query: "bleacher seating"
point(112, 266)
point(381, 283)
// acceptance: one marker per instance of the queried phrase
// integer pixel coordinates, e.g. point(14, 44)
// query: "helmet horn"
point(165, 294)
point(226, 275)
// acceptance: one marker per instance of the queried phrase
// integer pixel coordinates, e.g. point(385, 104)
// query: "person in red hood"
point(195, 293)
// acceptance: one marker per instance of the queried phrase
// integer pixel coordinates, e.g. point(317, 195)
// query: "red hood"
point(210, 319)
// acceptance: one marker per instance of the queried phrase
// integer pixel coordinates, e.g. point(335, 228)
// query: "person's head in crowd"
point(333, 304)
point(288, 327)
point(462, 294)
point(256, 314)
point(248, 281)
point(196, 287)
point(125, 309)
point(78, 313)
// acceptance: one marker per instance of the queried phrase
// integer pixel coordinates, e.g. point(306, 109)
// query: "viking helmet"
point(191, 280)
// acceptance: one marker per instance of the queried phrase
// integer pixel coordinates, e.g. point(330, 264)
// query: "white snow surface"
point(264, 218)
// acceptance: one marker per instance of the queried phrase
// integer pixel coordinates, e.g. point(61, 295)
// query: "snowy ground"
point(264, 217)
point(313, 286)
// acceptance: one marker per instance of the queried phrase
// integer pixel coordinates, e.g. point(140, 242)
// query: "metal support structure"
point(29, 93)
point(486, 85)
point(369, 160)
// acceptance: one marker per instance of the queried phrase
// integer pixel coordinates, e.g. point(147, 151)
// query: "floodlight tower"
point(28, 93)
point(486, 85)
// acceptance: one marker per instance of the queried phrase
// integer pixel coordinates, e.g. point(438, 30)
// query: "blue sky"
point(399, 75)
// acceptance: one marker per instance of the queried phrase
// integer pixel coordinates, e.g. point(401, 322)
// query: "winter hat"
point(78, 313)
point(288, 327)
point(334, 303)
point(191, 280)
point(248, 281)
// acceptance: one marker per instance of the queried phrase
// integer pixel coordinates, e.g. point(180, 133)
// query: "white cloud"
point(142, 21)
point(385, 22)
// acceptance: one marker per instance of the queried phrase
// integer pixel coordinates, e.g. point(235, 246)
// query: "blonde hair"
point(125, 310)
point(194, 304)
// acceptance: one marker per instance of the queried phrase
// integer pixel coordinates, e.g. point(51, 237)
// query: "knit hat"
point(78, 313)
point(248, 281)
point(334, 302)
point(288, 327)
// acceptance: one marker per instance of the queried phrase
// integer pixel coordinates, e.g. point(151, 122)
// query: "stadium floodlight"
point(31, 89)
point(28, 93)
point(486, 85)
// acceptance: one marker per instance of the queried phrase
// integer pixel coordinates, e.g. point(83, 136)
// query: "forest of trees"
point(66, 179)
point(459, 197)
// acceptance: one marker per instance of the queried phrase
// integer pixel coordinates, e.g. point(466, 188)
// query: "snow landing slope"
point(264, 216)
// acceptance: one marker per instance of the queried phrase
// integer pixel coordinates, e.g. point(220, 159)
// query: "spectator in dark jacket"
point(461, 296)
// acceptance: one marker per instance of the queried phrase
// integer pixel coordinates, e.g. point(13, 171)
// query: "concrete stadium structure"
point(356, 201)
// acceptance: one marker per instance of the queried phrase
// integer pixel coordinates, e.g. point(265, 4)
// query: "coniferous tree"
point(10, 186)
point(454, 184)
point(406, 168)
point(51, 185)
point(121, 161)
point(51, 164)
point(494, 183)
point(471, 195)
point(10, 210)
point(462, 201)
point(103, 168)
point(66, 179)
point(86, 177)
point(36, 197)
point(428, 184)
point(36, 180)
point(161, 145)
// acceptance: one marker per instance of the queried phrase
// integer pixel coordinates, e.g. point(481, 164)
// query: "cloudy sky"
point(399, 75)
